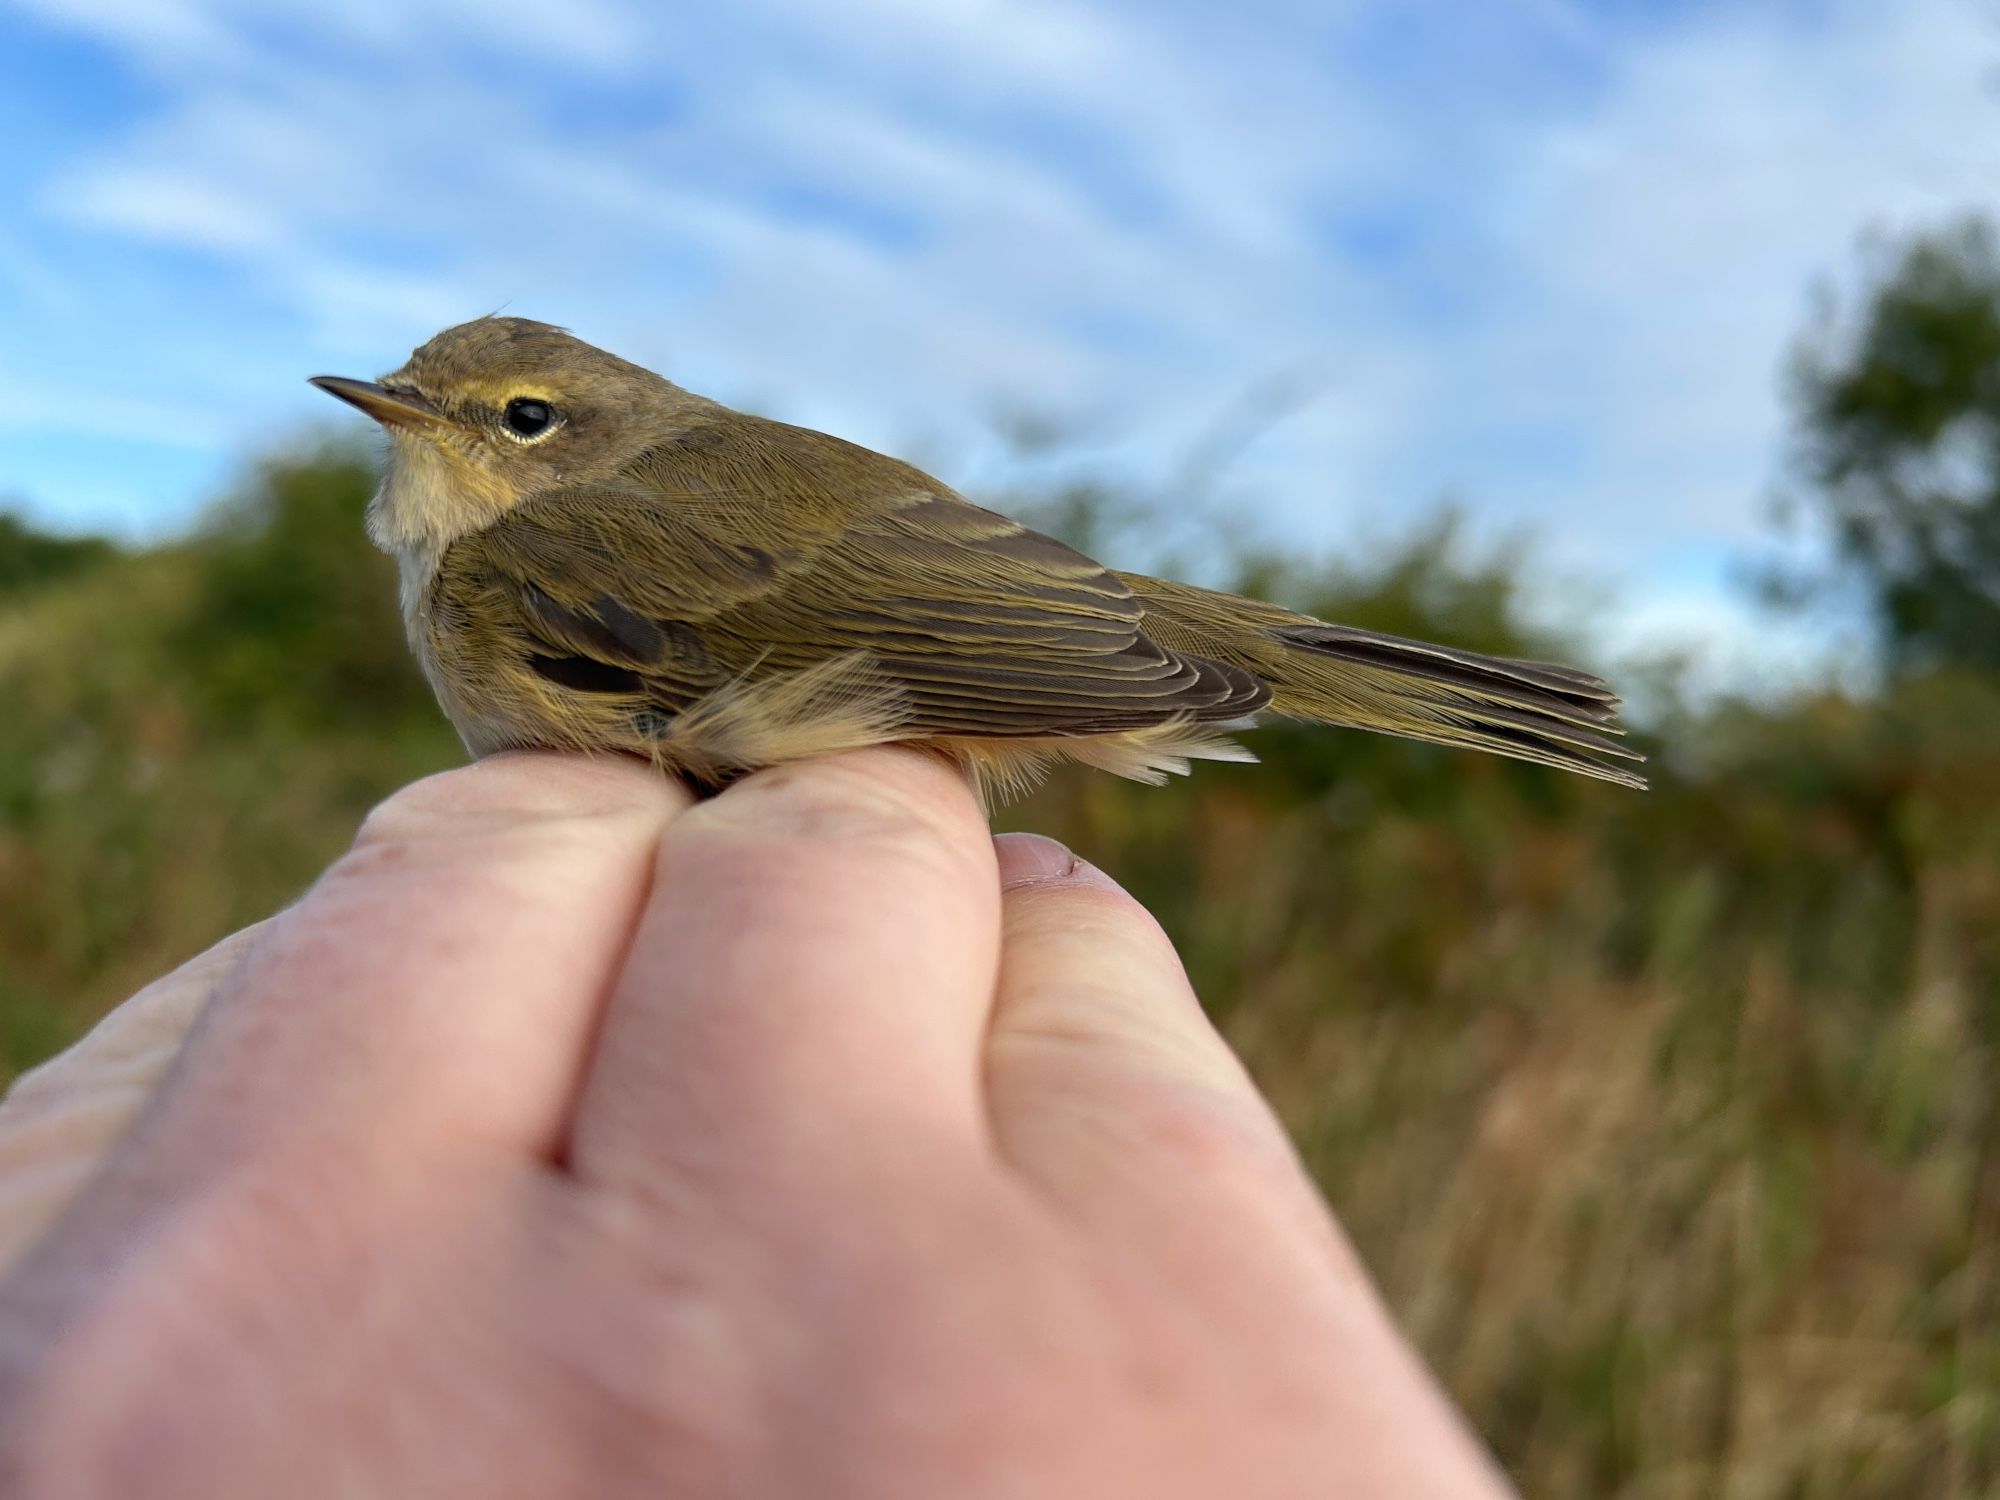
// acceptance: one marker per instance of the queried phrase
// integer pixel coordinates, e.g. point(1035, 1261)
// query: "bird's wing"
point(752, 549)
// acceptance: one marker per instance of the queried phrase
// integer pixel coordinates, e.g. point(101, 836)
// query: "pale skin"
point(573, 1139)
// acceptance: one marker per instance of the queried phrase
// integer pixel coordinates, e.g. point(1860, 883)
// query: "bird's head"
point(498, 409)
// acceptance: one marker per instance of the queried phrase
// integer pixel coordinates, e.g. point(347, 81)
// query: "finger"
point(813, 972)
point(437, 987)
point(58, 1122)
point(1086, 969)
point(1113, 1096)
point(1106, 1084)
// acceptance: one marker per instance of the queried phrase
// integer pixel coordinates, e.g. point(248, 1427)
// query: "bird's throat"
point(431, 495)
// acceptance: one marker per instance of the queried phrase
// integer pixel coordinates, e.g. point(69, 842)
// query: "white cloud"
point(211, 38)
point(156, 28)
point(1661, 244)
point(178, 210)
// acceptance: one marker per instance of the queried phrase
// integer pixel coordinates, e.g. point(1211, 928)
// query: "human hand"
point(568, 1139)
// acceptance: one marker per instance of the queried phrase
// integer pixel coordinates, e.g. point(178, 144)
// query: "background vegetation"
point(1669, 1122)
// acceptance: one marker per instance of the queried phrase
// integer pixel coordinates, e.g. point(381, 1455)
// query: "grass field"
point(1668, 1122)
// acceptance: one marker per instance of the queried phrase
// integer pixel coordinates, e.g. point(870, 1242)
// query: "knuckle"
point(1210, 1135)
point(421, 808)
point(866, 804)
point(514, 790)
point(1071, 903)
point(1104, 1027)
point(1120, 937)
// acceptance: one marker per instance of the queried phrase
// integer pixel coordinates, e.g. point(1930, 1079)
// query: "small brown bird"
point(593, 558)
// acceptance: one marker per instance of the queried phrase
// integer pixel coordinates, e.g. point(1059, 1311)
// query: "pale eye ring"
point(529, 419)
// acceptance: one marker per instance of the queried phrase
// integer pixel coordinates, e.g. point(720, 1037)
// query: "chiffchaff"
point(593, 558)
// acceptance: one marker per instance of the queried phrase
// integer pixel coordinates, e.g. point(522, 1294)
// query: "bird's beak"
point(391, 408)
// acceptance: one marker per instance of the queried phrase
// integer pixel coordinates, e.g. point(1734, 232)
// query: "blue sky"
point(1541, 256)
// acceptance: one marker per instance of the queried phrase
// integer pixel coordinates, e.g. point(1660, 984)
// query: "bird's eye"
point(528, 418)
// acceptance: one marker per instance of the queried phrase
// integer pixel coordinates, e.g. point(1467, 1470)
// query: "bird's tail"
point(1337, 674)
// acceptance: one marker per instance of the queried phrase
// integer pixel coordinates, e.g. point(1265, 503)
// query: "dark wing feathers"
point(603, 626)
point(1555, 690)
point(783, 549)
point(585, 674)
point(976, 697)
point(1339, 674)
point(1590, 695)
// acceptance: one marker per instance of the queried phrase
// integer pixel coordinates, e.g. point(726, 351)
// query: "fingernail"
point(1031, 859)
point(1026, 858)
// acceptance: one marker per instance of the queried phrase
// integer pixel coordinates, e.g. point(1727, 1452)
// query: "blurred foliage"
point(30, 558)
point(192, 731)
point(1669, 1122)
point(1900, 443)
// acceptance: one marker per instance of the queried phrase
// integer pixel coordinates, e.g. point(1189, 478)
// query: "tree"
point(1898, 418)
